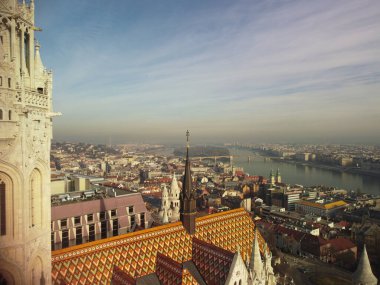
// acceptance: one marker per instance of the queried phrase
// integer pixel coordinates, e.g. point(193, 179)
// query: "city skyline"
point(248, 71)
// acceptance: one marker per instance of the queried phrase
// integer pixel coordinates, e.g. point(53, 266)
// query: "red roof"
point(341, 244)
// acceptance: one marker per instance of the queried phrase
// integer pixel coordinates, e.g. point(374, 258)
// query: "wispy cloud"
point(214, 67)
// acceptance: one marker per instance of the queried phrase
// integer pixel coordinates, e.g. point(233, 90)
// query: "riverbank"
point(351, 170)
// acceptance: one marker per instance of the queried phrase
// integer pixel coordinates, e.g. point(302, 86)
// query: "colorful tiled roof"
point(326, 206)
point(135, 253)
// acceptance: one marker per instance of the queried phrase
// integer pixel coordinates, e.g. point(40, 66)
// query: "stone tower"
point(25, 135)
point(188, 208)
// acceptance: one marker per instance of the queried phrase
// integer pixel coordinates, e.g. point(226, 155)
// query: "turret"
point(363, 274)
point(278, 176)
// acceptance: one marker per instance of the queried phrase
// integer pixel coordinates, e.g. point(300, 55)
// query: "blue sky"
point(252, 71)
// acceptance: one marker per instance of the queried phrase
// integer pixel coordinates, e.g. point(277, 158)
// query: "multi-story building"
point(25, 134)
point(77, 222)
point(286, 199)
point(319, 208)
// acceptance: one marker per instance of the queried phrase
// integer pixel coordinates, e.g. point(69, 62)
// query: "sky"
point(247, 71)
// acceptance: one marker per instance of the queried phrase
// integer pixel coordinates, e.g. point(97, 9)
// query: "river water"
point(305, 175)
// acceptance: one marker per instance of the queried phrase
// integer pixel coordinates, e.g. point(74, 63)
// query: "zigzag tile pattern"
point(135, 253)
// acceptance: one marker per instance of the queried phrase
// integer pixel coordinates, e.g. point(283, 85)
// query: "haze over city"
point(255, 71)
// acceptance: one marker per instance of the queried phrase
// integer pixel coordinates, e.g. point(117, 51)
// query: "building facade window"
point(63, 223)
point(91, 232)
point(78, 235)
point(1, 114)
point(9, 83)
point(90, 218)
point(115, 227)
point(9, 115)
point(65, 238)
point(103, 229)
point(77, 220)
point(102, 215)
point(113, 213)
point(130, 210)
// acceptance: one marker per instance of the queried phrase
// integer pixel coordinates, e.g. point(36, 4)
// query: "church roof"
point(135, 253)
point(363, 274)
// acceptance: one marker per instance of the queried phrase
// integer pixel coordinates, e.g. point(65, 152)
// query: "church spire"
point(363, 273)
point(188, 207)
point(256, 264)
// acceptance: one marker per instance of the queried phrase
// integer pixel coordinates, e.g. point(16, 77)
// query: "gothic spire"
point(187, 183)
point(188, 206)
point(256, 264)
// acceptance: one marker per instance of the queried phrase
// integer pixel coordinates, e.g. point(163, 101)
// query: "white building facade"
point(25, 135)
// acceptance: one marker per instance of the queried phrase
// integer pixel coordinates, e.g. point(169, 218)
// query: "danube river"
point(305, 175)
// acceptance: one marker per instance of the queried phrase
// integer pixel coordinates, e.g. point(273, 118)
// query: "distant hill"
point(202, 151)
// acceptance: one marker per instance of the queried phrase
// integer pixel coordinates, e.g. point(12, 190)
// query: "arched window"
point(240, 282)
point(1, 114)
point(35, 198)
point(1, 81)
point(9, 115)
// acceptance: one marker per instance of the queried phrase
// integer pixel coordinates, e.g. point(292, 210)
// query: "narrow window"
point(91, 232)
point(133, 220)
point(65, 238)
point(77, 220)
point(78, 235)
point(2, 211)
point(103, 229)
point(115, 225)
point(102, 215)
point(142, 219)
point(52, 240)
point(9, 115)
point(40, 90)
point(9, 83)
point(1, 114)
point(63, 223)
point(113, 213)
point(1, 81)
point(90, 218)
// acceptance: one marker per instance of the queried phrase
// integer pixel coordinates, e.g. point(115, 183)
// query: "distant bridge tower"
point(25, 136)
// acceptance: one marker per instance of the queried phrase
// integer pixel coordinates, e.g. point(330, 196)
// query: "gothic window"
point(9, 115)
point(3, 210)
point(35, 198)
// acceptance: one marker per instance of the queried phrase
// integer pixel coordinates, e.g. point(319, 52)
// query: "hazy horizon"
point(247, 71)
